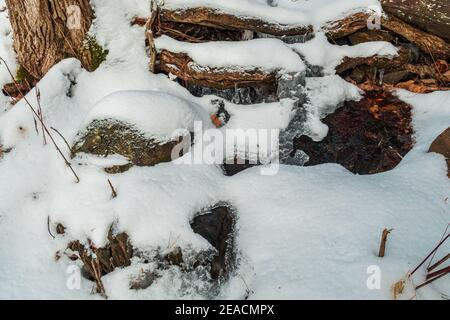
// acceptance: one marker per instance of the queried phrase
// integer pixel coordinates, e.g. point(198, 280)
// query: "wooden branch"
point(183, 67)
point(216, 19)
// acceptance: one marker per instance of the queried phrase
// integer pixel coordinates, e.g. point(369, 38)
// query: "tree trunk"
point(47, 31)
point(432, 16)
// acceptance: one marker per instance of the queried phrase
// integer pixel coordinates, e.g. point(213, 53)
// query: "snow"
point(306, 232)
point(265, 54)
point(285, 12)
point(325, 95)
point(147, 111)
point(320, 52)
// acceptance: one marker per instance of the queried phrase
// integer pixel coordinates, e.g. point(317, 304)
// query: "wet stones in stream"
point(216, 224)
point(366, 137)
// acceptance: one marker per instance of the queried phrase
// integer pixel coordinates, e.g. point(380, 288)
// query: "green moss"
point(97, 52)
point(22, 74)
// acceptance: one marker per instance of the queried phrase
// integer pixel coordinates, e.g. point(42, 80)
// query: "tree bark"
point(47, 31)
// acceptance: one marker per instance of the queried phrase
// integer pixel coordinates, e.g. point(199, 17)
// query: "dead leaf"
point(397, 288)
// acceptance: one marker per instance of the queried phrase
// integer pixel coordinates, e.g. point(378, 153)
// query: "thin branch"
point(434, 254)
point(439, 274)
point(40, 120)
point(62, 137)
point(431, 253)
point(38, 99)
point(48, 227)
point(437, 264)
point(114, 193)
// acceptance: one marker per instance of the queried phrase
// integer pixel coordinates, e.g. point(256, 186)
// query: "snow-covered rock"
point(142, 126)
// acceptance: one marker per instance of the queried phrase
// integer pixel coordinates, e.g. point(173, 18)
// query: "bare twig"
point(439, 274)
point(62, 137)
point(41, 115)
point(437, 264)
point(431, 253)
point(114, 193)
point(48, 227)
point(98, 279)
point(434, 254)
point(36, 114)
point(384, 236)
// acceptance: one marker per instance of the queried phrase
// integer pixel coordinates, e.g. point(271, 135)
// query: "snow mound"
point(265, 54)
point(156, 114)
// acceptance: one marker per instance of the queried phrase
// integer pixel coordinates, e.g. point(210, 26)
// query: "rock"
point(395, 77)
point(60, 229)
point(175, 257)
point(108, 137)
point(366, 137)
point(142, 126)
point(216, 225)
point(442, 146)
point(231, 169)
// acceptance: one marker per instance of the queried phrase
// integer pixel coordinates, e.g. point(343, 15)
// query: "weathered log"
point(432, 16)
point(428, 43)
point(370, 35)
point(379, 62)
point(183, 67)
point(343, 27)
point(216, 19)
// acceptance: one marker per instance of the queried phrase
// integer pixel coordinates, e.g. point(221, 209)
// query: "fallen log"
point(216, 19)
point(404, 56)
point(428, 43)
point(183, 67)
point(344, 27)
point(432, 16)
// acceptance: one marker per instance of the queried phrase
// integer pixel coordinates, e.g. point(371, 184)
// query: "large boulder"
point(142, 126)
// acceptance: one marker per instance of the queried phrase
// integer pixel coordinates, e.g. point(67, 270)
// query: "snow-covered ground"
point(306, 232)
